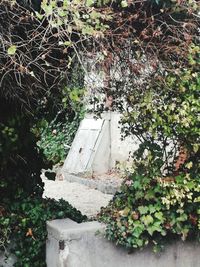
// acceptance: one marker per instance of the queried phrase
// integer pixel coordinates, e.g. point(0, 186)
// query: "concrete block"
point(84, 245)
point(7, 259)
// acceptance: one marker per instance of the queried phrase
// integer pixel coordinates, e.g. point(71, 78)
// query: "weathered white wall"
point(83, 245)
point(97, 146)
point(120, 149)
point(7, 261)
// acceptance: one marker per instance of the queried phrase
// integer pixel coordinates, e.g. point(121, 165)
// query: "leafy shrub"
point(23, 212)
point(24, 224)
point(152, 210)
point(160, 196)
point(56, 138)
point(56, 135)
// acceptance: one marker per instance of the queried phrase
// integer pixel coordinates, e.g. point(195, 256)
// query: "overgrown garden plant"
point(55, 134)
point(33, 66)
point(149, 54)
point(39, 54)
point(159, 199)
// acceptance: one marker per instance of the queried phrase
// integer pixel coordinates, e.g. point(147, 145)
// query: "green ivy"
point(55, 136)
point(24, 226)
point(159, 199)
point(150, 211)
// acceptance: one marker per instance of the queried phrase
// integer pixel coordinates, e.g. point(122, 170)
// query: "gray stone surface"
point(7, 261)
point(89, 201)
point(97, 146)
point(102, 186)
point(84, 245)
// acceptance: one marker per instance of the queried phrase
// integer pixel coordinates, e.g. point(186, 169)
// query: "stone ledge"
point(66, 229)
point(83, 245)
point(94, 184)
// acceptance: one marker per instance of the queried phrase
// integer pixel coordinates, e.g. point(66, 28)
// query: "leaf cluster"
point(23, 225)
point(152, 210)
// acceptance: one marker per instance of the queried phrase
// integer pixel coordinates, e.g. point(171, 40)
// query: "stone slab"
point(95, 184)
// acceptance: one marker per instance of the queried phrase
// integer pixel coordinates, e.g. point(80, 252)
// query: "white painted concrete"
point(84, 245)
point(7, 261)
point(97, 146)
point(83, 147)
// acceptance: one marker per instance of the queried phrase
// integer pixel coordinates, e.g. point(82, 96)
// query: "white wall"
point(101, 147)
point(84, 245)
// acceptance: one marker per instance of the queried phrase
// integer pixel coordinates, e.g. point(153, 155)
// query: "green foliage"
point(55, 136)
point(36, 52)
point(152, 210)
point(24, 226)
point(159, 199)
point(165, 116)
point(79, 15)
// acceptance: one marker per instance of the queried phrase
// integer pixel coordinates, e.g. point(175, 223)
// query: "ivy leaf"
point(182, 218)
point(143, 209)
point(152, 208)
point(124, 3)
point(88, 30)
point(89, 3)
point(150, 230)
point(11, 50)
point(159, 216)
point(137, 231)
point(148, 219)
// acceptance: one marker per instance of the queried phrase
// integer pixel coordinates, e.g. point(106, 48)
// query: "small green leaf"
point(124, 3)
point(38, 15)
point(148, 219)
point(11, 50)
point(143, 209)
point(67, 43)
point(89, 3)
point(159, 216)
